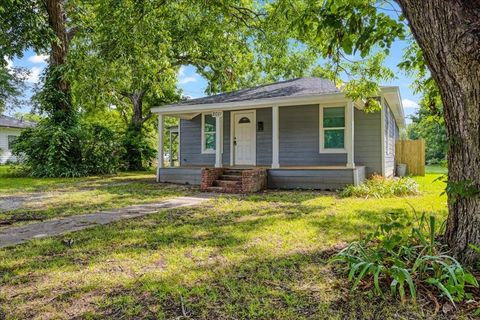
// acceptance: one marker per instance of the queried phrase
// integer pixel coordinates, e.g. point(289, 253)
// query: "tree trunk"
point(448, 32)
point(59, 49)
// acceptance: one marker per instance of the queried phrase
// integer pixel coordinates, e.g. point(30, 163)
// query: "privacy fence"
point(411, 153)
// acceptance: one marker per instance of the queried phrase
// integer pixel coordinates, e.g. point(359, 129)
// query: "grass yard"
point(25, 199)
point(259, 256)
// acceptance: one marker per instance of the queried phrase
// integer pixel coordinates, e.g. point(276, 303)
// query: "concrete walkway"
point(17, 235)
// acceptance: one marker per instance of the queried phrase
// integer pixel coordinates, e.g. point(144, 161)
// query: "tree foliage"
point(432, 129)
point(128, 54)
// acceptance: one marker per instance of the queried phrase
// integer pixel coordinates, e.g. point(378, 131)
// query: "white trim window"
point(332, 128)
point(209, 130)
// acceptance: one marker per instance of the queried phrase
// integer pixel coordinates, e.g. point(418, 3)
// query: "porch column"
point(218, 138)
point(349, 134)
point(275, 138)
point(160, 146)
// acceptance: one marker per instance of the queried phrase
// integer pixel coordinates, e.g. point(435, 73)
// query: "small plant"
point(405, 257)
point(380, 187)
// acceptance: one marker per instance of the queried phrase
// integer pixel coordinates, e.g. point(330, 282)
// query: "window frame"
point(203, 140)
point(322, 129)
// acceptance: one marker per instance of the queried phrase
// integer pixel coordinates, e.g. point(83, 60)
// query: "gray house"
point(304, 133)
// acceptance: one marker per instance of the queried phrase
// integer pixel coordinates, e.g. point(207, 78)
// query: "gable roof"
point(10, 122)
point(290, 88)
point(307, 90)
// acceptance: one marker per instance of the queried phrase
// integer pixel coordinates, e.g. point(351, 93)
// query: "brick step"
point(230, 177)
point(228, 184)
point(233, 172)
point(216, 189)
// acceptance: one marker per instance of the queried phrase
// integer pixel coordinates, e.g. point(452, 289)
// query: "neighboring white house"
point(10, 129)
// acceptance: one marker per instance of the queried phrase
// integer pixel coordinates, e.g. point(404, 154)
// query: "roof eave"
point(258, 103)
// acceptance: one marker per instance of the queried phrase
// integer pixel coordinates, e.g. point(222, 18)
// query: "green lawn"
point(259, 256)
point(38, 199)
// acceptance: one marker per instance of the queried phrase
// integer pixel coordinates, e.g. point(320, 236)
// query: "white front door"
point(244, 137)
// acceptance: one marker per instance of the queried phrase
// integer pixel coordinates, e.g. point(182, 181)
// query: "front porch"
point(288, 177)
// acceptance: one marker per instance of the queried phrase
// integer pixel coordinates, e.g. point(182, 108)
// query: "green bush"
point(380, 187)
point(68, 149)
point(402, 258)
point(138, 153)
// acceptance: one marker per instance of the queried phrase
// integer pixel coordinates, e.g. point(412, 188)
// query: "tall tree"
point(448, 35)
point(432, 129)
point(448, 32)
point(11, 86)
point(134, 50)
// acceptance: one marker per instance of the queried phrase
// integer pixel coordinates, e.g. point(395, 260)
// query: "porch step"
point(233, 172)
point(231, 177)
point(228, 184)
point(215, 189)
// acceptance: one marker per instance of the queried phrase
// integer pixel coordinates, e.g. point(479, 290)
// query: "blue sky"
point(193, 85)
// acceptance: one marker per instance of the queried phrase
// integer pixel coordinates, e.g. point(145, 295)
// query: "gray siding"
point(264, 138)
point(368, 141)
point(191, 176)
point(326, 179)
point(299, 138)
point(390, 135)
point(191, 142)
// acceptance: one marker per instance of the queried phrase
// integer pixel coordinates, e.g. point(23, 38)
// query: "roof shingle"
point(290, 88)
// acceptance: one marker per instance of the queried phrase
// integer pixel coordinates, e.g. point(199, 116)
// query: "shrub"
point(380, 187)
point(138, 152)
point(68, 149)
point(401, 257)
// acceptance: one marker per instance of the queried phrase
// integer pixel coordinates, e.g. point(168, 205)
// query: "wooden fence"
point(411, 153)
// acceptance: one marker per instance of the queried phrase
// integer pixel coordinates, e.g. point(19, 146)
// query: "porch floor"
point(286, 177)
point(324, 167)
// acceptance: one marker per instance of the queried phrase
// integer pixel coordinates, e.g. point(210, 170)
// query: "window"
point(332, 129)
point(11, 141)
point(208, 133)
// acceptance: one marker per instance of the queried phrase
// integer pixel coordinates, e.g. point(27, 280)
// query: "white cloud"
point(183, 78)
point(410, 104)
point(187, 80)
point(34, 75)
point(38, 58)
point(9, 63)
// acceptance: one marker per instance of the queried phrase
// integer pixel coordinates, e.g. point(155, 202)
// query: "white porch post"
point(218, 138)
point(349, 134)
point(275, 138)
point(160, 146)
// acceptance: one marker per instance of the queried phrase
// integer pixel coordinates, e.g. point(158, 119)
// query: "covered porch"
point(305, 136)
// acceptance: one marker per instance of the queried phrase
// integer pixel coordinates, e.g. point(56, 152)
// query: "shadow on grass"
point(211, 262)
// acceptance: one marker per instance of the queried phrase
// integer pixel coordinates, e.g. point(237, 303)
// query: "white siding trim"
point(349, 134)
point(275, 137)
point(160, 146)
point(382, 132)
point(218, 139)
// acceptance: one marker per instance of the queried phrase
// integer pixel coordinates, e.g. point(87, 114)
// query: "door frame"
point(232, 135)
